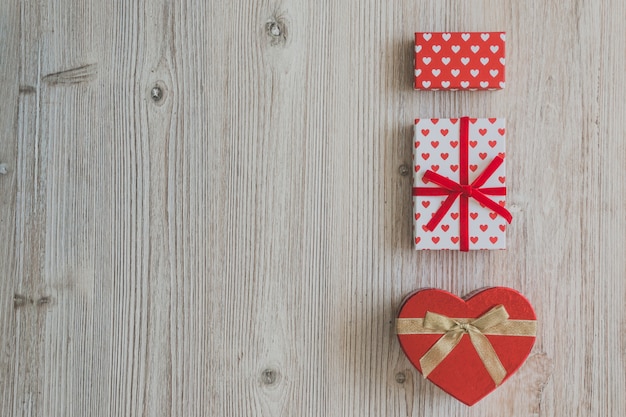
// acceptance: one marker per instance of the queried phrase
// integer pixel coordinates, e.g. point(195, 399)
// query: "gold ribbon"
point(495, 322)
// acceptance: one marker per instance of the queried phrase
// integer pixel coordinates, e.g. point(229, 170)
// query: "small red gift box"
point(459, 61)
point(459, 184)
point(467, 347)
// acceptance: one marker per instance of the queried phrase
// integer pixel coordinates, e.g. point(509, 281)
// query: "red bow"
point(463, 190)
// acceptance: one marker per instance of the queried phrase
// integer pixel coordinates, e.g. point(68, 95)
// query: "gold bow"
point(494, 322)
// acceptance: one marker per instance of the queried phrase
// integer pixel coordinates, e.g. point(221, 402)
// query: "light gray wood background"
point(240, 248)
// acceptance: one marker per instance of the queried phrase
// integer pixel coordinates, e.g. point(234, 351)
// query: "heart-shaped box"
point(467, 347)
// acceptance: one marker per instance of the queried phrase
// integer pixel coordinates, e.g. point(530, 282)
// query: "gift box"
point(467, 347)
point(459, 61)
point(459, 184)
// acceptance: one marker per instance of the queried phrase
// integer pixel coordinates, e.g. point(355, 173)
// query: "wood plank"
point(9, 301)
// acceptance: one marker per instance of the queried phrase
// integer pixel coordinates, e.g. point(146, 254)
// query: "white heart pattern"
point(454, 60)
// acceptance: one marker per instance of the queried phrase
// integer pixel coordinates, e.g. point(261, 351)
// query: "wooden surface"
point(240, 247)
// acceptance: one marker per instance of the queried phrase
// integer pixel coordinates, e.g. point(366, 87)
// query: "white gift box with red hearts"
point(456, 208)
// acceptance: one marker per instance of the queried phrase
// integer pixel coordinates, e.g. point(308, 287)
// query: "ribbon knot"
point(464, 326)
point(467, 190)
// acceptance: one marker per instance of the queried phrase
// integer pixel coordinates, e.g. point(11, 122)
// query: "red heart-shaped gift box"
point(462, 364)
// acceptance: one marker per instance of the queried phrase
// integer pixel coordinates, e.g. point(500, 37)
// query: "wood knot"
point(276, 30)
point(269, 377)
point(400, 377)
point(404, 170)
point(44, 300)
point(158, 92)
point(21, 300)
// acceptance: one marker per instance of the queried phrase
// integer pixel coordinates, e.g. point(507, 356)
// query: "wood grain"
point(240, 246)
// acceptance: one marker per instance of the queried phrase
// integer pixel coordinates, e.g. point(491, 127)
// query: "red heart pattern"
point(459, 61)
point(462, 373)
point(441, 153)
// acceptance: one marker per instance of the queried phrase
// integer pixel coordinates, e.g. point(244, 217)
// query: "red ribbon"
point(463, 189)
